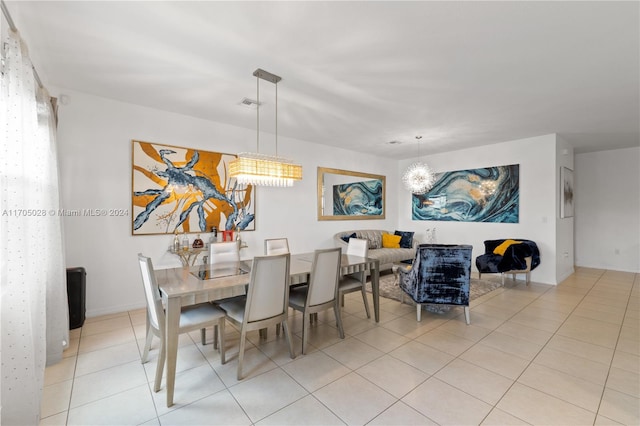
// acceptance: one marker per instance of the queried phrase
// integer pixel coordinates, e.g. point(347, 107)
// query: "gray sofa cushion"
point(386, 256)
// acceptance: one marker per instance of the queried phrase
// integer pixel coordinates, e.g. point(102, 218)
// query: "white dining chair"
point(194, 317)
point(266, 302)
point(355, 281)
point(321, 293)
point(276, 246)
point(228, 251)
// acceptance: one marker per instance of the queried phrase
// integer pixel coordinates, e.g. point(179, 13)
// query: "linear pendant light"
point(259, 169)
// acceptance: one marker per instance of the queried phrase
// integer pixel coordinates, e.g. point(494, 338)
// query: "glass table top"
point(209, 272)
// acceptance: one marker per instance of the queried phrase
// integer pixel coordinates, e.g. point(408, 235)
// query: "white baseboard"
point(114, 310)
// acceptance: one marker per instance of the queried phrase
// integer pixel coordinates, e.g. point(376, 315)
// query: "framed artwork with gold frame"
point(348, 195)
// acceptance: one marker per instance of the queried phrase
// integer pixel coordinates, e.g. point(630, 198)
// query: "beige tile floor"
point(537, 354)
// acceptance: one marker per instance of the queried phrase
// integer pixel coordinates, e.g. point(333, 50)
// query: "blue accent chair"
point(440, 274)
point(517, 259)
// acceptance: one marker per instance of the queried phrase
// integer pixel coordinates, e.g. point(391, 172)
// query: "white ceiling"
point(359, 74)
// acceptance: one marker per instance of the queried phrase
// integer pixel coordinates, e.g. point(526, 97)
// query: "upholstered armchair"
point(440, 274)
point(501, 257)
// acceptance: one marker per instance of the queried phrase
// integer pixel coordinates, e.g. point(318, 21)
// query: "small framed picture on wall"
point(566, 192)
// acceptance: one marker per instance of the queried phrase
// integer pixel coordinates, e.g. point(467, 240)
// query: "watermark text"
point(64, 212)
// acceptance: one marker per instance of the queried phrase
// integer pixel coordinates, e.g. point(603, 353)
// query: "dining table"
point(189, 285)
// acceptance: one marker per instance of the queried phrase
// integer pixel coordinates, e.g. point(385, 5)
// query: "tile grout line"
point(569, 316)
point(604, 386)
point(73, 380)
point(514, 381)
point(432, 375)
point(543, 347)
point(153, 401)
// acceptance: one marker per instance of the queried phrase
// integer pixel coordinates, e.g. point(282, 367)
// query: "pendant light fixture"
point(418, 178)
point(259, 169)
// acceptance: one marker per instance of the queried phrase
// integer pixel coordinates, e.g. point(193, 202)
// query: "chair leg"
point(160, 366)
point(479, 275)
point(366, 302)
point(215, 336)
point(203, 336)
point(287, 334)
point(277, 329)
point(502, 279)
point(418, 312)
point(528, 278)
point(306, 319)
point(243, 336)
point(147, 345)
point(339, 320)
point(342, 299)
point(467, 315)
point(220, 326)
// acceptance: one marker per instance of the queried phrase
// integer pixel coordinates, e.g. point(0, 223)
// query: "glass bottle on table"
point(198, 243)
point(176, 242)
point(185, 242)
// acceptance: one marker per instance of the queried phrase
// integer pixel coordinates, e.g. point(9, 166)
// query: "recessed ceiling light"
point(394, 142)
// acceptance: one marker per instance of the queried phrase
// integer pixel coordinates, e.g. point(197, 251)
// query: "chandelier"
point(418, 178)
point(259, 169)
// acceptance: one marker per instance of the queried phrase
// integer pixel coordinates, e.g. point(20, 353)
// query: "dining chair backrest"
point(228, 251)
point(276, 246)
point(358, 247)
point(325, 271)
point(151, 293)
point(268, 292)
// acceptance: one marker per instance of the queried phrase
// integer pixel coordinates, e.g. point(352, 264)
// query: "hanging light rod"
point(13, 28)
point(259, 169)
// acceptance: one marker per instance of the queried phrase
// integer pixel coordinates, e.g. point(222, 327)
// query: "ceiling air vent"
point(249, 103)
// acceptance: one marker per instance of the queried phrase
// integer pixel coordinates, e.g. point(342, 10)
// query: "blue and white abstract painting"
point(358, 198)
point(177, 189)
point(490, 194)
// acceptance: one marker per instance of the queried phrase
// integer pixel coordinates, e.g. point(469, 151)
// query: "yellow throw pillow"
point(504, 246)
point(391, 241)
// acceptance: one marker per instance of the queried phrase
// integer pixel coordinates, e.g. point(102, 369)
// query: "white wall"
point(95, 165)
point(94, 140)
point(565, 257)
point(536, 157)
point(607, 191)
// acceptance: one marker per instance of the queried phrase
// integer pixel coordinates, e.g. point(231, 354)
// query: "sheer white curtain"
point(33, 304)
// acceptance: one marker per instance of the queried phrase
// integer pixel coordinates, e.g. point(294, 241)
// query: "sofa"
point(386, 256)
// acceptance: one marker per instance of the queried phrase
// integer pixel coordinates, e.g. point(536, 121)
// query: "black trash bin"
point(76, 295)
